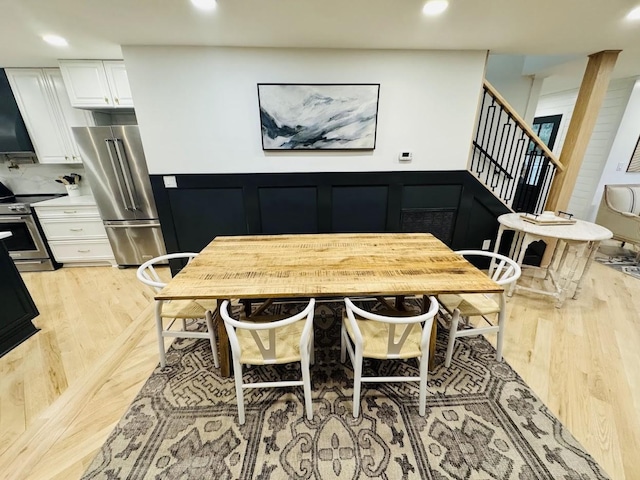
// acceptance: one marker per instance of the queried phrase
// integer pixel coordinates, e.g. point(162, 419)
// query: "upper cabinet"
point(48, 115)
point(97, 83)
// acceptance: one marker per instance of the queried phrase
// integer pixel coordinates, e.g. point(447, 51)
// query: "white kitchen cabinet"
point(118, 83)
point(74, 231)
point(97, 83)
point(47, 113)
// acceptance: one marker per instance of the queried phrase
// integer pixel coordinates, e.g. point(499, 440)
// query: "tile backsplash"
point(31, 179)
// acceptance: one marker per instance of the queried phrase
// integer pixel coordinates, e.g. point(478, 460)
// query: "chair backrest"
point(503, 270)
point(148, 275)
point(404, 324)
point(267, 344)
point(623, 198)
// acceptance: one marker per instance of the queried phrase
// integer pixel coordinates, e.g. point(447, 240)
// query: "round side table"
point(582, 238)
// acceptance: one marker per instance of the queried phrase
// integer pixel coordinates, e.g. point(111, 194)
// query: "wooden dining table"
point(324, 265)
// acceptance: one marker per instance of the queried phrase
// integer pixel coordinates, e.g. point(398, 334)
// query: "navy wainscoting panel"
point(453, 205)
point(430, 208)
point(288, 210)
point(431, 196)
point(199, 215)
point(359, 209)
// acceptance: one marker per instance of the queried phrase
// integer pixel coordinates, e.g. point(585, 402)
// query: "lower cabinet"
point(76, 234)
point(66, 251)
point(17, 309)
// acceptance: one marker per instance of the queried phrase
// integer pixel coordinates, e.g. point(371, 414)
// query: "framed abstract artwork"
point(318, 116)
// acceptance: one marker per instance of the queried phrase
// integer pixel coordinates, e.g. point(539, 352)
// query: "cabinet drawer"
point(67, 212)
point(61, 229)
point(87, 250)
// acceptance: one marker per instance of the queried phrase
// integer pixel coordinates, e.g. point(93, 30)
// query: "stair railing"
point(509, 157)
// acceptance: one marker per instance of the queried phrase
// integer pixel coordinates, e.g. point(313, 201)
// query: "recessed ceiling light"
point(55, 40)
point(206, 5)
point(435, 7)
point(634, 14)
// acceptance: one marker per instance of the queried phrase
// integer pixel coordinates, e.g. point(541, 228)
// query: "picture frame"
point(318, 116)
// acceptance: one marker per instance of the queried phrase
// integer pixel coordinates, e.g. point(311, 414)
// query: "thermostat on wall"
point(405, 156)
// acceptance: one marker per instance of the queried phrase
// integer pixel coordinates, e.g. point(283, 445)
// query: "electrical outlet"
point(486, 245)
point(170, 181)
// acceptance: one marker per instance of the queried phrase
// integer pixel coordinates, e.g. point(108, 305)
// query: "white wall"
point(621, 150)
point(604, 132)
point(197, 107)
point(504, 72)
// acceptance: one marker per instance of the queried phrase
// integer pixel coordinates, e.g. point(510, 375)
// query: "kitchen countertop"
point(5, 235)
point(66, 201)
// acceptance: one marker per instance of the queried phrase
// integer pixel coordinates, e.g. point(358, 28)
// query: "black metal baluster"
point(477, 137)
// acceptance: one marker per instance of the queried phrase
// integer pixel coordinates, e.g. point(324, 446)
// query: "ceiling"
point(564, 29)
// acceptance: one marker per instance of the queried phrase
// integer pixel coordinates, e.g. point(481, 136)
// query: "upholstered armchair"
point(619, 209)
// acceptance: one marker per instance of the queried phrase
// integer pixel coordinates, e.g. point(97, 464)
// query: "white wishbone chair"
point(258, 341)
point(504, 271)
point(392, 335)
point(177, 309)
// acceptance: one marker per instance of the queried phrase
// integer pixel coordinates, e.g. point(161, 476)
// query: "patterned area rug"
point(482, 422)
point(621, 259)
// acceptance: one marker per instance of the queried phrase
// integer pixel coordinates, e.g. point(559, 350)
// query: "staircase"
point(509, 158)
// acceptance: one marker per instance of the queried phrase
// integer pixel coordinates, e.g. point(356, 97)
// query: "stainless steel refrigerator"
point(116, 168)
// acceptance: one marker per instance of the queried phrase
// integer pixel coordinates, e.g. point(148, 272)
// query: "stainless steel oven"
point(27, 245)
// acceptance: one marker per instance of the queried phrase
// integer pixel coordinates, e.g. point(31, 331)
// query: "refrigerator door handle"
point(146, 225)
point(125, 167)
point(117, 170)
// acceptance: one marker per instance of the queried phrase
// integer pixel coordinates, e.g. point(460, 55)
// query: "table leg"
point(562, 295)
point(516, 244)
point(587, 265)
point(223, 344)
point(400, 306)
point(496, 247)
point(525, 241)
point(553, 259)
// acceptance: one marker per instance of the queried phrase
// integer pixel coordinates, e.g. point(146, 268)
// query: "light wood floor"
point(64, 389)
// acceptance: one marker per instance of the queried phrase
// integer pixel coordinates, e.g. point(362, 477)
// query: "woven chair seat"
point(469, 304)
point(187, 308)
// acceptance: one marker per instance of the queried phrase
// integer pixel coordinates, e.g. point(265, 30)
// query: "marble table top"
point(579, 231)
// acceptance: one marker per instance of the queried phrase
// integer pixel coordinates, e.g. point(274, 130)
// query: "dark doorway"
point(532, 177)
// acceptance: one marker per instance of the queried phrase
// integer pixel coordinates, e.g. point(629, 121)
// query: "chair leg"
point(159, 330)
point(424, 375)
point(237, 373)
point(306, 384)
point(357, 383)
point(501, 328)
point(312, 353)
point(212, 337)
point(455, 319)
point(343, 345)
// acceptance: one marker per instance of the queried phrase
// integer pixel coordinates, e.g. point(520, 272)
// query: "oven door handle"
point(13, 218)
point(144, 225)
